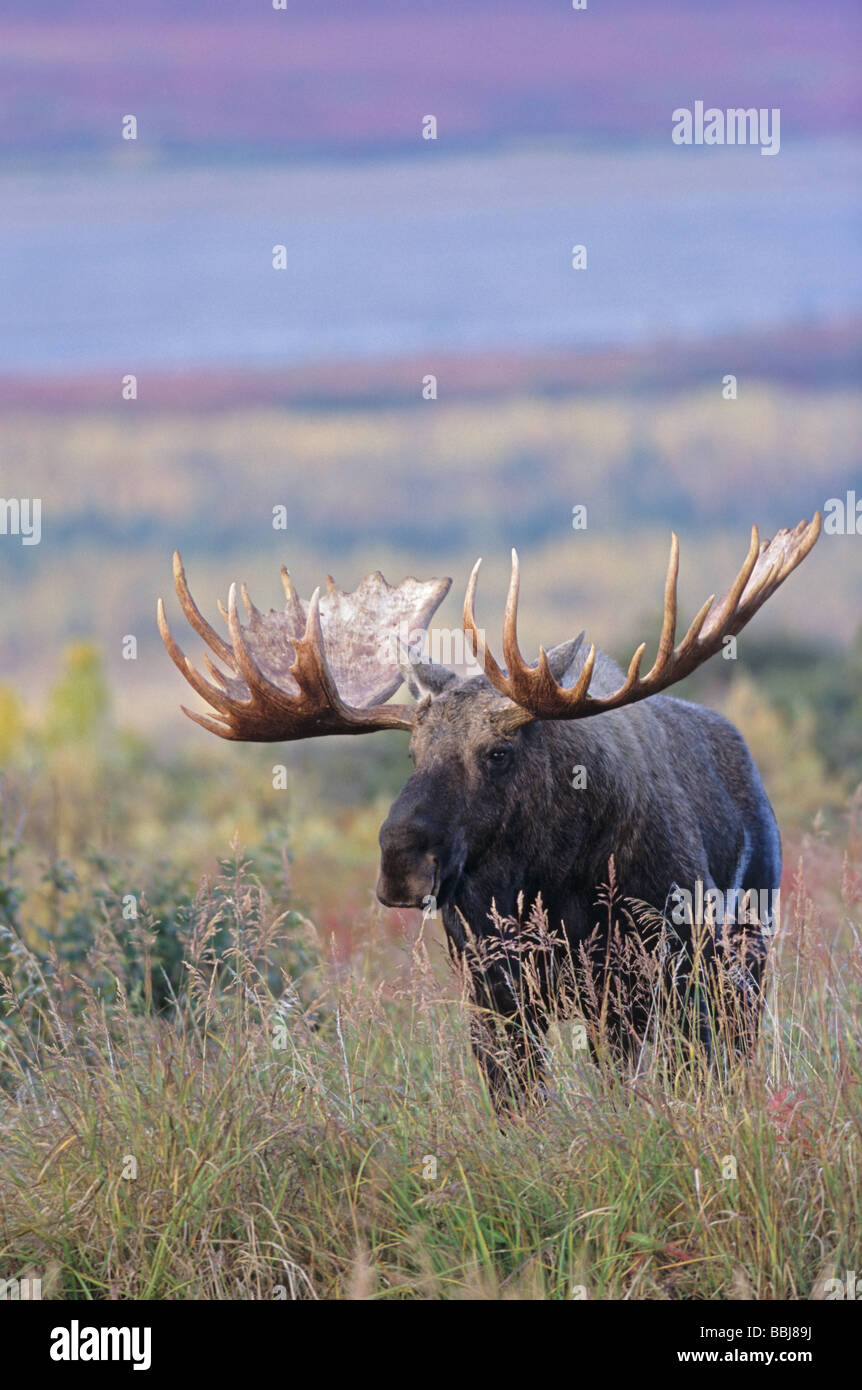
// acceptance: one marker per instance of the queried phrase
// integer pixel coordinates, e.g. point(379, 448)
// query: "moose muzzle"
point(410, 885)
point(409, 871)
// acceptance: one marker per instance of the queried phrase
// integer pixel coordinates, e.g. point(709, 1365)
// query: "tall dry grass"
point(202, 1095)
point(266, 1132)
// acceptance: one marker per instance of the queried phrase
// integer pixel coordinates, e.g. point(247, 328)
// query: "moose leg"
point(506, 1035)
point(511, 1059)
point(612, 995)
point(687, 1006)
point(726, 1001)
point(738, 985)
point(617, 1035)
point(718, 1004)
point(508, 1021)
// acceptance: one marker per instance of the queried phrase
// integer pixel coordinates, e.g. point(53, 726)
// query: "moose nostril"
point(407, 879)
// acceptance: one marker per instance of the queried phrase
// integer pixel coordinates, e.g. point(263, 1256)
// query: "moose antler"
point(536, 692)
point(322, 668)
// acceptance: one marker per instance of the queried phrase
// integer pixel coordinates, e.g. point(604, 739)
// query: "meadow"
point(225, 1072)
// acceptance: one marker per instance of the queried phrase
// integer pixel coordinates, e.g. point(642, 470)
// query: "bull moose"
point(493, 829)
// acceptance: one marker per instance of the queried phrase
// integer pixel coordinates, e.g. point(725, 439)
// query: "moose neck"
point(580, 789)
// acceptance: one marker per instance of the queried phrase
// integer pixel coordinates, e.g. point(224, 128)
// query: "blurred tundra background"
point(408, 258)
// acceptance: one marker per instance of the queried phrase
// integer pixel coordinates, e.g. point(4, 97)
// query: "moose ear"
point(561, 659)
point(426, 678)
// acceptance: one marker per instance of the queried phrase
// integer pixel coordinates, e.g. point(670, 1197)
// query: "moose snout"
point(409, 867)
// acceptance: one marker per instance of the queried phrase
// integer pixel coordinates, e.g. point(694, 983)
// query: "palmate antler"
point(322, 668)
point(537, 693)
point(328, 667)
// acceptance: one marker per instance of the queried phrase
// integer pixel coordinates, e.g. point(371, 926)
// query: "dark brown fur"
point(490, 824)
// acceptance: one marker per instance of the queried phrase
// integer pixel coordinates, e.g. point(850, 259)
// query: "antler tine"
point(311, 669)
point(202, 687)
point(467, 612)
point(250, 608)
point(292, 605)
point(668, 627)
point(214, 671)
point(274, 699)
point(807, 533)
point(468, 619)
point(477, 641)
point(697, 623)
point(515, 663)
point(194, 615)
point(665, 653)
point(209, 722)
point(579, 690)
point(730, 602)
point(633, 675)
